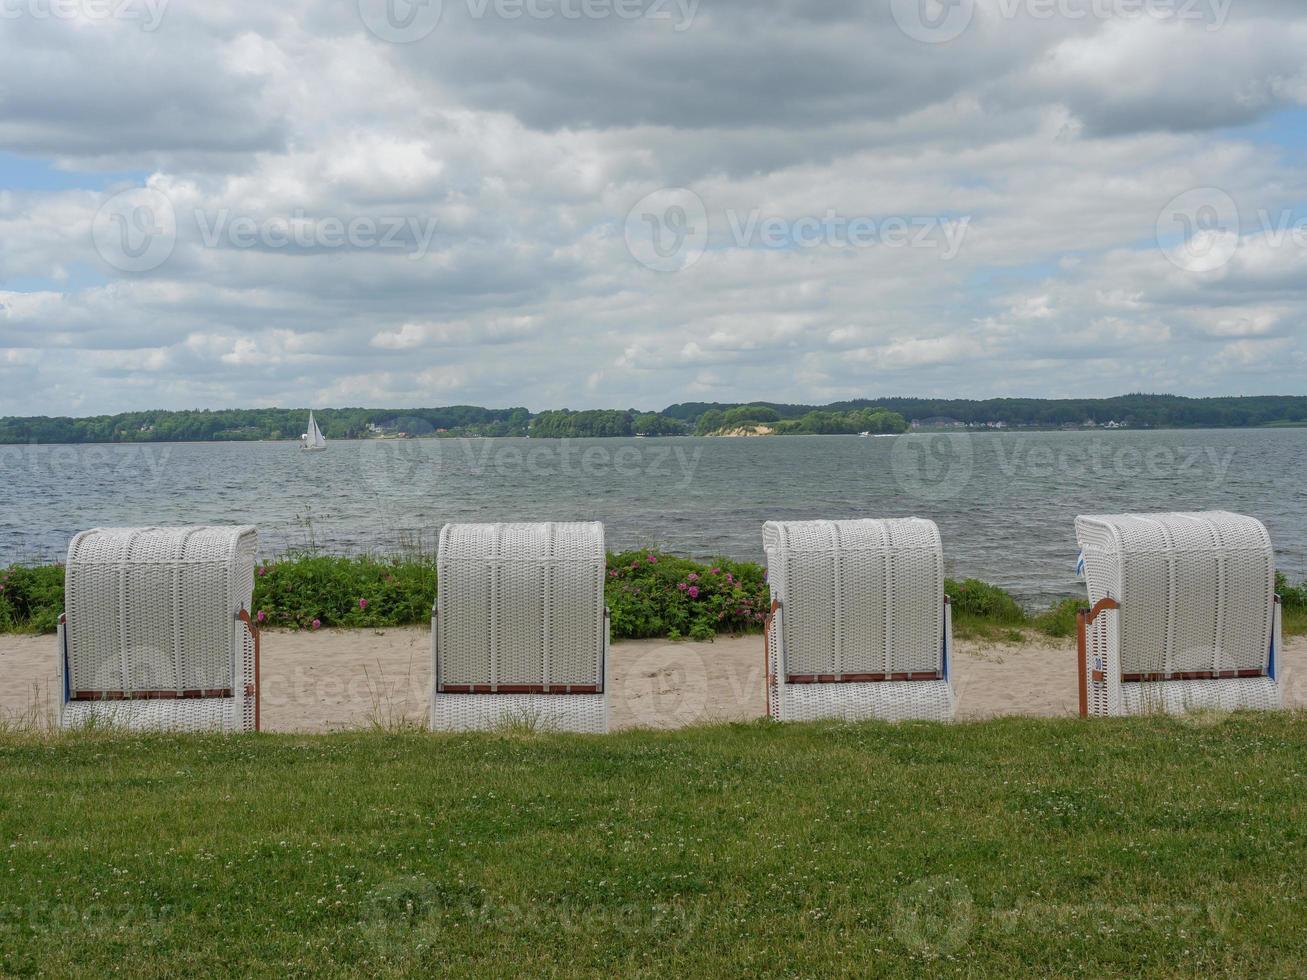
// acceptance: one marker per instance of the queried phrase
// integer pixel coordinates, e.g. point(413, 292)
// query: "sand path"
point(338, 679)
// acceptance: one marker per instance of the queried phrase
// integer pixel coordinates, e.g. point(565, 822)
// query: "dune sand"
point(340, 679)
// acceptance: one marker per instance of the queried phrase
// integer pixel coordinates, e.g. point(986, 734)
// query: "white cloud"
point(504, 156)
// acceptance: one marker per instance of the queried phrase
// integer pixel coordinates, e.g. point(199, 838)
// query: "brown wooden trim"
point(1103, 604)
point(1082, 659)
point(253, 689)
point(769, 679)
point(1192, 675)
point(920, 675)
point(519, 689)
point(217, 692)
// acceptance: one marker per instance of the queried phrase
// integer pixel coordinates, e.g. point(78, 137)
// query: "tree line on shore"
point(883, 415)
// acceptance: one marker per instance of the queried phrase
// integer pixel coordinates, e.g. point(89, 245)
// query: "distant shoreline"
point(1129, 412)
point(963, 430)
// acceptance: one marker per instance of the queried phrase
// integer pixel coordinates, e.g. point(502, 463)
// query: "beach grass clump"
point(1293, 605)
point(1014, 847)
point(985, 611)
point(31, 598)
point(653, 594)
point(1059, 619)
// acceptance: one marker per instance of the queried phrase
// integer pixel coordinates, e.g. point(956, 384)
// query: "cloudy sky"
point(591, 203)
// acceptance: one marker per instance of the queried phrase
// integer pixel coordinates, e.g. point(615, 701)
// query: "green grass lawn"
point(1015, 847)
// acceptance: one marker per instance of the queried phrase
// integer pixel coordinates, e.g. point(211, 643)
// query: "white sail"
point(314, 441)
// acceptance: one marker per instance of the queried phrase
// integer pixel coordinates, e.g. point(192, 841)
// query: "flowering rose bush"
point(662, 595)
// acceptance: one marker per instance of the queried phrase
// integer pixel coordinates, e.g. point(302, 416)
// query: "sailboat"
point(313, 441)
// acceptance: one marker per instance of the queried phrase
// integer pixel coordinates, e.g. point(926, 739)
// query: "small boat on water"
point(313, 441)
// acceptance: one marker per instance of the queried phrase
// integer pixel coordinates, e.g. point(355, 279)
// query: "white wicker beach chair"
point(1184, 614)
point(520, 631)
point(859, 626)
point(156, 630)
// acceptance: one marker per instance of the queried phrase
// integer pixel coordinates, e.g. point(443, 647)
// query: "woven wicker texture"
point(520, 606)
point(863, 597)
point(1196, 592)
point(153, 611)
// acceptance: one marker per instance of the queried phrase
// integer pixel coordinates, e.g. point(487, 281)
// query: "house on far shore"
point(938, 422)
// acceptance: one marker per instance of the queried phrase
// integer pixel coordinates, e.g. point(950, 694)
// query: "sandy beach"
point(342, 679)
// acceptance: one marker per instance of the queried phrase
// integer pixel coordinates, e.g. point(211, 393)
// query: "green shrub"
point(31, 598)
point(651, 594)
point(344, 592)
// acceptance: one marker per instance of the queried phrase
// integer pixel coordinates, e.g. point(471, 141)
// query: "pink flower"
point(652, 560)
point(613, 573)
point(694, 592)
point(693, 577)
point(263, 570)
point(261, 616)
point(316, 624)
point(715, 571)
point(730, 578)
point(682, 586)
point(363, 603)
